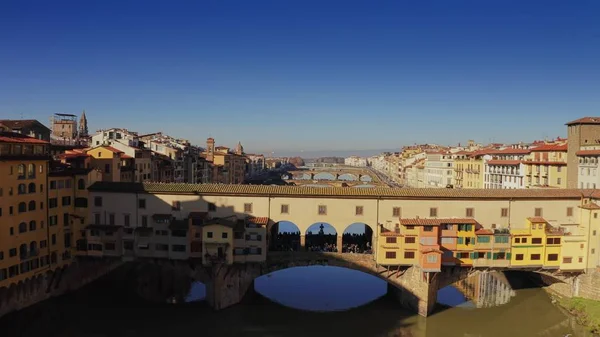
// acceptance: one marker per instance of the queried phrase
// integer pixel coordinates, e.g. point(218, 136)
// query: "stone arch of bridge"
point(366, 178)
point(348, 177)
point(358, 237)
point(324, 176)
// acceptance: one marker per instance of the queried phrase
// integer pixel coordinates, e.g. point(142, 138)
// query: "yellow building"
point(217, 240)
point(537, 245)
point(469, 170)
point(546, 166)
point(24, 248)
point(465, 244)
point(114, 164)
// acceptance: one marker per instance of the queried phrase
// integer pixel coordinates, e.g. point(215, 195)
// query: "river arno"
point(105, 308)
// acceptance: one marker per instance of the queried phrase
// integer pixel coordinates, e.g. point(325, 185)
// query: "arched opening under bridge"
point(348, 177)
point(324, 176)
point(321, 237)
point(285, 236)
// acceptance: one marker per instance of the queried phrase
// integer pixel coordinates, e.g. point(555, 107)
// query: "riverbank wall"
point(51, 283)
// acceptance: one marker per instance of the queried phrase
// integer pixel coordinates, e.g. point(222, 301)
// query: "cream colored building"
point(546, 166)
point(340, 206)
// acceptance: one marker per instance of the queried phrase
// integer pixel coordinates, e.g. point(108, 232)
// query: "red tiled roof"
point(484, 232)
point(436, 222)
point(513, 151)
point(585, 120)
point(390, 233)
point(591, 205)
point(263, 220)
point(550, 147)
point(13, 137)
point(556, 163)
point(21, 123)
point(588, 153)
point(503, 162)
point(124, 156)
point(537, 219)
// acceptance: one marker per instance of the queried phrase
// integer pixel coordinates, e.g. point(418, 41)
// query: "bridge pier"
point(415, 290)
point(339, 243)
point(302, 242)
point(229, 284)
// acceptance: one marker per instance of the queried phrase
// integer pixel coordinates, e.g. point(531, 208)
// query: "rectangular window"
point(144, 221)
point(285, 209)
point(538, 212)
point(66, 221)
point(569, 211)
point(396, 211)
point(358, 210)
point(209, 235)
point(52, 203)
point(504, 212)
point(247, 208)
point(535, 257)
point(536, 241)
point(501, 239)
point(483, 239)
point(66, 201)
point(322, 210)
point(212, 207)
point(567, 259)
point(390, 255)
point(409, 255)
point(111, 219)
point(552, 257)
point(448, 240)
point(433, 212)
point(410, 239)
point(432, 258)
point(224, 235)
point(469, 212)
point(98, 201)
point(519, 257)
point(176, 206)
point(126, 218)
point(390, 240)
point(428, 228)
point(142, 203)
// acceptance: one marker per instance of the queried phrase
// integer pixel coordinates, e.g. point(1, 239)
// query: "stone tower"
point(210, 149)
point(239, 149)
point(580, 133)
point(83, 126)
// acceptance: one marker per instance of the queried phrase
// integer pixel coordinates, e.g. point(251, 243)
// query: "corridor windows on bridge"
point(535, 257)
point(358, 210)
point(538, 212)
point(322, 210)
point(391, 240)
point(536, 241)
point(390, 255)
point(552, 257)
point(396, 212)
point(285, 236)
point(410, 239)
point(321, 237)
point(285, 209)
point(248, 208)
point(409, 255)
point(433, 212)
point(569, 211)
point(358, 239)
point(504, 212)
point(519, 257)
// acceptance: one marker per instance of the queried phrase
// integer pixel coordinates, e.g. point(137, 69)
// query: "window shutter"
point(508, 256)
point(488, 255)
point(460, 241)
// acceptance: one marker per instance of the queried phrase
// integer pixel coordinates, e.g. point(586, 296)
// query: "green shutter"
point(461, 241)
point(508, 256)
point(472, 254)
point(469, 228)
point(488, 255)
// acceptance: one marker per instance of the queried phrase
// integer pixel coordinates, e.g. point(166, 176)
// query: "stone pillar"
point(339, 243)
point(302, 242)
point(229, 284)
point(415, 291)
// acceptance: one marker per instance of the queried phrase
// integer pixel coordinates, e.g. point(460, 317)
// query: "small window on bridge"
point(322, 210)
point(410, 239)
point(359, 210)
point(396, 212)
point(552, 257)
point(567, 259)
point(504, 212)
point(285, 209)
point(390, 255)
point(409, 255)
point(433, 212)
point(469, 212)
point(536, 241)
point(248, 208)
point(535, 257)
point(390, 240)
point(519, 257)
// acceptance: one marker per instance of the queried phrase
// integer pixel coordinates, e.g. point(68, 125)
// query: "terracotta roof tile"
point(588, 153)
point(585, 120)
point(590, 205)
point(503, 162)
point(390, 233)
point(550, 163)
point(369, 193)
point(550, 147)
point(124, 156)
point(263, 220)
point(13, 137)
point(484, 232)
point(21, 123)
point(537, 219)
point(436, 221)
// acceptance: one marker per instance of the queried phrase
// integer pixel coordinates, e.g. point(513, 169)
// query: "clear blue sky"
point(291, 75)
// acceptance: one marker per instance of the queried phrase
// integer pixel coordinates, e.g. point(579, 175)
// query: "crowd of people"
point(321, 242)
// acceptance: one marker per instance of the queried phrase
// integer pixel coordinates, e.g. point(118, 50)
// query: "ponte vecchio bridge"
point(460, 217)
point(338, 176)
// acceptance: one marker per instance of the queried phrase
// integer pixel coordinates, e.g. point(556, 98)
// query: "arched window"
point(31, 205)
point(22, 227)
point(32, 225)
point(21, 171)
point(23, 251)
point(22, 189)
point(22, 207)
point(31, 188)
point(31, 171)
point(33, 248)
point(81, 184)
